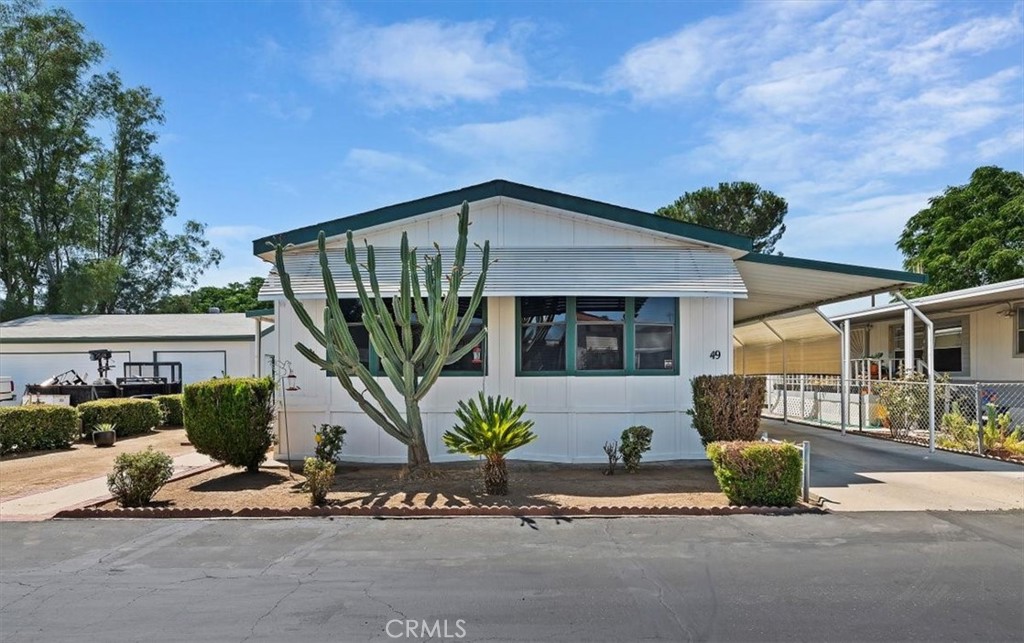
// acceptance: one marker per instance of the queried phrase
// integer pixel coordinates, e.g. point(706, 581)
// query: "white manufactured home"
point(35, 348)
point(597, 316)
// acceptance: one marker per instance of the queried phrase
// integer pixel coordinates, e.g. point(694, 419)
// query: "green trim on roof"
point(500, 187)
point(121, 340)
point(842, 268)
point(259, 312)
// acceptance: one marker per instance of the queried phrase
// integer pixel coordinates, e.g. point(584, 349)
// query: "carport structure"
point(781, 315)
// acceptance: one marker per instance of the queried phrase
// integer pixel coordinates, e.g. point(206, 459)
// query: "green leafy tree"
point(740, 207)
point(235, 297)
point(969, 236)
point(83, 216)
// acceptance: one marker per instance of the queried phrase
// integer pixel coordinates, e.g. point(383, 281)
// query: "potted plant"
point(104, 435)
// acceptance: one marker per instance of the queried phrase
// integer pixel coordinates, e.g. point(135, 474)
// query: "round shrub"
point(230, 419)
point(170, 408)
point(138, 476)
point(37, 427)
point(319, 478)
point(757, 473)
point(636, 440)
point(132, 416)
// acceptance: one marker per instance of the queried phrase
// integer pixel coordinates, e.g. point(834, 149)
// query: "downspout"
point(931, 365)
point(259, 347)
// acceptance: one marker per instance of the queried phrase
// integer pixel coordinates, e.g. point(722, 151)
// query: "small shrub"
point(319, 478)
point(757, 473)
point(37, 427)
point(957, 432)
point(727, 407)
point(611, 449)
point(230, 419)
point(636, 440)
point(492, 429)
point(138, 476)
point(330, 438)
point(132, 416)
point(170, 407)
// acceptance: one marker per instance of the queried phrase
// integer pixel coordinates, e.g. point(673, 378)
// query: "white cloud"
point(286, 107)
point(424, 63)
point(526, 136)
point(825, 100)
point(876, 221)
point(374, 162)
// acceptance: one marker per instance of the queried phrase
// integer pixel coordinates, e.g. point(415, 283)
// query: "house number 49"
point(716, 354)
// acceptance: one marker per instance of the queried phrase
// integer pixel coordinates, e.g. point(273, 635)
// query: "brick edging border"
point(914, 443)
point(430, 512)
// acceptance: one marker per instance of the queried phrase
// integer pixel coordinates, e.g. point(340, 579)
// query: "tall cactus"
point(411, 364)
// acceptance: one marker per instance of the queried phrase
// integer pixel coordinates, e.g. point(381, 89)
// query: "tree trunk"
point(419, 457)
point(495, 476)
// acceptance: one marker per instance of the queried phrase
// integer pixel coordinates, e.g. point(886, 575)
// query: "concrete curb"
point(432, 512)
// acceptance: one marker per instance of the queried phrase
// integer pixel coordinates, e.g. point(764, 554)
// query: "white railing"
point(817, 400)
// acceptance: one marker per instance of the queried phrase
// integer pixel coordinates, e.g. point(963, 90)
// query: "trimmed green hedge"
point(170, 406)
point(727, 407)
point(131, 415)
point(230, 419)
point(757, 473)
point(37, 427)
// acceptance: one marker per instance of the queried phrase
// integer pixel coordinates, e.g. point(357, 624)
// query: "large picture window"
point(597, 335)
point(472, 363)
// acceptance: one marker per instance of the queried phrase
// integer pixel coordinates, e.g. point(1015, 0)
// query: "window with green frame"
point(597, 336)
point(472, 363)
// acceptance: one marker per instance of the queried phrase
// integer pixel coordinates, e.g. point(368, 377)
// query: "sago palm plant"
point(491, 429)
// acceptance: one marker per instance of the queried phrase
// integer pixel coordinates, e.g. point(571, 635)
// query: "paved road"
point(841, 577)
point(858, 473)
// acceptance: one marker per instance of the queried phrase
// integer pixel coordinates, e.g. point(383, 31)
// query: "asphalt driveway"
point(858, 473)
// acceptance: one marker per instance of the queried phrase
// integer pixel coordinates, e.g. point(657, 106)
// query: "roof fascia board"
point(840, 268)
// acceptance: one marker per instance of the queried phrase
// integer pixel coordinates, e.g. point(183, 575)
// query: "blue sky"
point(284, 114)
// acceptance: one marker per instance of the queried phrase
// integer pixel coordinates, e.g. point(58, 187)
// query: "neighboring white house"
point(979, 332)
point(35, 348)
point(597, 316)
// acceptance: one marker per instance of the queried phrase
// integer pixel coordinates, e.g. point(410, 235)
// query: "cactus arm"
point(385, 319)
point(289, 293)
point(459, 353)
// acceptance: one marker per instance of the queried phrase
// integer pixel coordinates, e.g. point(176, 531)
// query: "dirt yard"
point(673, 485)
point(22, 474)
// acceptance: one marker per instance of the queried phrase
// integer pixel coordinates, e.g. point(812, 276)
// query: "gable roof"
point(496, 188)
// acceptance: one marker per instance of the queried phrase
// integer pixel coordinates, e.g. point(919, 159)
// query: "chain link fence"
point(984, 417)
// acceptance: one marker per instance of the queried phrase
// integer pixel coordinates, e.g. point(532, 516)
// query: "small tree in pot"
point(492, 429)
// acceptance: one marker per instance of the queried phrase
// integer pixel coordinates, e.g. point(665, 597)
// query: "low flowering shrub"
point(329, 438)
point(757, 473)
point(37, 427)
point(138, 476)
point(319, 478)
point(636, 440)
point(132, 416)
point(170, 407)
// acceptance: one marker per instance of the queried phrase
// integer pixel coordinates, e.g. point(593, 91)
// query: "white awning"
point(793, 327)
point(604, 271)
point(780, 285)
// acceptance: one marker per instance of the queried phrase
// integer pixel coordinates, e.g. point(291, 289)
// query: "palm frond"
point(493, 427)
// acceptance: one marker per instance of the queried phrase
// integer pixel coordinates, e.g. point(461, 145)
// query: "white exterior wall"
point(991, 345)
point(32, 363)
point(574, 416)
